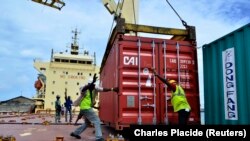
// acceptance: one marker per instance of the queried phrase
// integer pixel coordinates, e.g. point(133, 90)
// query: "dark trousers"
point(68, 110)
point(183, 116)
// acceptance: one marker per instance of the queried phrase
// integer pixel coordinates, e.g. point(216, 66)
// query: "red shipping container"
point(142, 98)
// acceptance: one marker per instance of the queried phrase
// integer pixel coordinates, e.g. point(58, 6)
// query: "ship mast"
point(74, 45)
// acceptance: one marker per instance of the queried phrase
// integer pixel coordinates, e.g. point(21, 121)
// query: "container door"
point(179, 62)
point(138, 95)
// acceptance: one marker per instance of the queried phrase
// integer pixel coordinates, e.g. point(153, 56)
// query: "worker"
point(58, 109)
point(178, 99)
point(68, 108)
point(86, 108)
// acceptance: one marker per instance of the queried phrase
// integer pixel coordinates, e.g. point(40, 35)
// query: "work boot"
point(74, 135)
point(101, 139)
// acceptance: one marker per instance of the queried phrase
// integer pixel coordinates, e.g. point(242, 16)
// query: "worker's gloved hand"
point(116, 89)
point(91, 86)
point(154, 71)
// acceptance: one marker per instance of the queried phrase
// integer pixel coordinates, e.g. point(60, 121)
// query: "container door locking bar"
point(139, 81)
point(178, 61)
point(165, 86)
point(154, 94)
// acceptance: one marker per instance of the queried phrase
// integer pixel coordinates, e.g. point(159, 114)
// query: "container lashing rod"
point(154, 94)
point(139, 82)
point(165, 86)
point(178, 61)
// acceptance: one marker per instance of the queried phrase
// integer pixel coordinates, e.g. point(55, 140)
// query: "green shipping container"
point(226, 64)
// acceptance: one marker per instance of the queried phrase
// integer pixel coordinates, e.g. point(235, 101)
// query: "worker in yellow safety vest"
point(85, 101)
point(178, 99)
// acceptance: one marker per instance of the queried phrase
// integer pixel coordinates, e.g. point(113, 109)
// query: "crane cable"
point(115, 17)
point(183, 22)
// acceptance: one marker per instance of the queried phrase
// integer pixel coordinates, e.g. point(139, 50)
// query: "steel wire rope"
point(114, 19)
point(183, 22)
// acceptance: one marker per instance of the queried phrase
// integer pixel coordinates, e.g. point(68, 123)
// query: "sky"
point(29, 31)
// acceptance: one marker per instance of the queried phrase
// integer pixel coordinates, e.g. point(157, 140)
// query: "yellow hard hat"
point(172, 81)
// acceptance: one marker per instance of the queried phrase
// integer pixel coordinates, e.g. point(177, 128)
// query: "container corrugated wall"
point(128, 66)
point(226, 63)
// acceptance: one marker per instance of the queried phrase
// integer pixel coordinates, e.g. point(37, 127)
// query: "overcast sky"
point(29, 30)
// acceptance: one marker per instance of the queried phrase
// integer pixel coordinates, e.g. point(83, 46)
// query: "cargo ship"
point(127, 64)
point(63, 74)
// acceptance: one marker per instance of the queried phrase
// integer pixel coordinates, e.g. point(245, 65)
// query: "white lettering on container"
point(130, 60)
point(182, 61)
point(230, 95)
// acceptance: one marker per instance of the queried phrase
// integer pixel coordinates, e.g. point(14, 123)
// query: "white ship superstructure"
point(64, 73)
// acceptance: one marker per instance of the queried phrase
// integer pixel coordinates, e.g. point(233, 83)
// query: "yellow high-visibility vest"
point(86, 101)
point(178, 100)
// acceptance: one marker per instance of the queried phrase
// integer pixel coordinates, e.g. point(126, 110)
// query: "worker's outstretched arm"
point(163, 80)
point(65, 96)
point(116, 89)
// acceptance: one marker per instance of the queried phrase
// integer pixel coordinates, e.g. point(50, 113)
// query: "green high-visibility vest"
point(86, 101)
point(178, 100)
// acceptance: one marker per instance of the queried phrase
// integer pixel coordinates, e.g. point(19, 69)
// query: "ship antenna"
point(74, 45)
point(51, 57)
point(94, 59)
